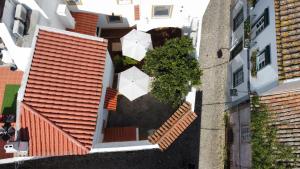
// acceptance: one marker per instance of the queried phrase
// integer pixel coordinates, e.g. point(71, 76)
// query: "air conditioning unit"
point(20, 147)
point(18, 28)
point(21, 13)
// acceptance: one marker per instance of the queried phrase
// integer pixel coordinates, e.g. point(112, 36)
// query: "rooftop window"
point(161, 11)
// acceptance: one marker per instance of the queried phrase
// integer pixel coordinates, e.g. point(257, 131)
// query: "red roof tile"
point(46, 138)
point(111, 99)
point(8, 77)
point(173, 127)
point(136, 12)
point(120, 134)
point(288, 38)
point(64, 86)
point(85, 23)
point(285, 111)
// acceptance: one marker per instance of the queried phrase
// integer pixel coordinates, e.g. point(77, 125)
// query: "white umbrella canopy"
point(133, 83)
point(135, 44)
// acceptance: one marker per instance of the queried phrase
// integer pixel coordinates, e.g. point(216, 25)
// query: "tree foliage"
point(267, 152)
point(174, 68)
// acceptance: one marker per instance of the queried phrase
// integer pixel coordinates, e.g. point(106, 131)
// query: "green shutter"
point(268, 55)
point(266, 15)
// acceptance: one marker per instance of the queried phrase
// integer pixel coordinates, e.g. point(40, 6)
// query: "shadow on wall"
point(160, 35)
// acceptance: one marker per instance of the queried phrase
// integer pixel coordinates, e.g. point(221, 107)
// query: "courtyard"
point(146, 113)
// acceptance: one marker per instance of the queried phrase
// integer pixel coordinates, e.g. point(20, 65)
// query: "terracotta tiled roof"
point(111, 99)
point(288, 38)
point(285, 109)
point(136, 12)
point(46, 138)
point(85, 23)
point(118, 134)
point(65, 83)
point(173, 127)
point(8, 77)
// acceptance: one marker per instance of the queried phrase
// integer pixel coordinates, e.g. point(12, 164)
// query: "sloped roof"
point(118, 134)
point(46, 138)
point(111, 99)
point(85, 23)
point(288, 38)
point(64, 85)
point(285, 109)
point(173, 127)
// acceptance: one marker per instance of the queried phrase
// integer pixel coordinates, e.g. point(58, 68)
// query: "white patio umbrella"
point(133, 83)
point(135, 44)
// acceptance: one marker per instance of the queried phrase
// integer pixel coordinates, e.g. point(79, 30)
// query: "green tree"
point(267, 152)
point(175, 70)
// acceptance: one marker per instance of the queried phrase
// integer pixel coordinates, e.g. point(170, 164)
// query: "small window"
point(161, 11)
point(264, 58)
point(238, 19)
point(74, 2)
point(114, 19)
point(261, 23)
point(124, 2)
point(245, 134)
point(238, 77)
point(237, 49)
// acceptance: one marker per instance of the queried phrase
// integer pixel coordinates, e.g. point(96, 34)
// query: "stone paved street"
point(215, 35)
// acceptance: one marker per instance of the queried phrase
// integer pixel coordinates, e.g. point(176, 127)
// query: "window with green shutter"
point(264, 58)
point(261, 23)
point(238, 77)
point(238, 19)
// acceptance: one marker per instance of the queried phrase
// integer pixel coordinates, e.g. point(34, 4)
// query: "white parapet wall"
point(123, 146)
point(65, 16)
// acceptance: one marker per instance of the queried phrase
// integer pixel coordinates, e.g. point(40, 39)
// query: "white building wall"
point(239, 61)
point(47, 11)
point(183, 12)
point(102, 112)
point(239, 32)
point(8, 14)
point(267, 77)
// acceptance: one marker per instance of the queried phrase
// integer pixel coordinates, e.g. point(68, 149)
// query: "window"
point(161, 11)
point(238, 19)
point(237, 49)
point(264, 58)
point(74, 2)
point(124, 2)
point(245, 133)
point(261, 23)
point(238, 77)
point(114, 19)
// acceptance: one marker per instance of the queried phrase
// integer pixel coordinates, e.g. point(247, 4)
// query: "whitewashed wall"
point(8, 14)
point(239, 61)
point(48, 15)
point(268, 76)
point(103, 113)
point(239, 32)
point(182, 13)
